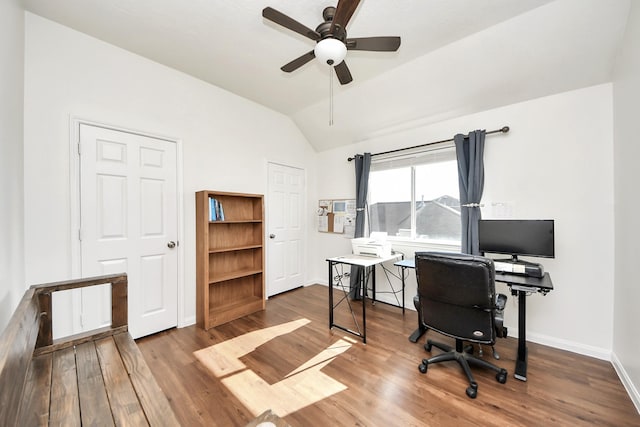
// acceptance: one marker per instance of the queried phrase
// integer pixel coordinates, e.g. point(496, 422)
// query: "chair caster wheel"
point(423, 367)
point(502, 376)
point(428, 346)
point(472, 390)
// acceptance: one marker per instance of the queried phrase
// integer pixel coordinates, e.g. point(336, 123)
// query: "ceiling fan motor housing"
point(324, 29)
point(331, 38)
point(331, 48)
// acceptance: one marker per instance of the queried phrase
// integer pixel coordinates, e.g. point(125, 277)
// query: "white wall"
point(12, 284)
point(227, 140)
point(626, 92)
point(555, 163)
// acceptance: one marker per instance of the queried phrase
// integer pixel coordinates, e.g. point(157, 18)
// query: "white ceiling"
point(457, 56)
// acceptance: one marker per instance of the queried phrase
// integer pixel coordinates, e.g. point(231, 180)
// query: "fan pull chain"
point(330, 96)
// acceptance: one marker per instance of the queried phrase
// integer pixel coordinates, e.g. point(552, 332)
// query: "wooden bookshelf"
point(229, 257)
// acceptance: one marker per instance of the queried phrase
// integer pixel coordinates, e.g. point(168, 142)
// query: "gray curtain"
point(363, 165)
point(469, 151)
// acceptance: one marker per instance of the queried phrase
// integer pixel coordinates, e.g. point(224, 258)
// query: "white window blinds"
point(434, 154)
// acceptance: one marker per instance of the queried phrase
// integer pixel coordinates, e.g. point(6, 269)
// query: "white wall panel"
point(12, 284)
point(557, 163)
point(626, 93)
point(227, 140)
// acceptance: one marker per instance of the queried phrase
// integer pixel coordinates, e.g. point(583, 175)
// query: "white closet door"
point(128, 214)
point(285, 231)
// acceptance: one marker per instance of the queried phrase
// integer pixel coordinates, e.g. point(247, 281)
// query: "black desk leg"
point(521, 361)
point(330, 294)
point(403, 295)
point(415, 335)
point(364, 303)
point(373, 283)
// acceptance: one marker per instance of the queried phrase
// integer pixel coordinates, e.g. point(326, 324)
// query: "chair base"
point(464, 359)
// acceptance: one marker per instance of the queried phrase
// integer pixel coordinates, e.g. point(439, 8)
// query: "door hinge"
point(80, 234)
point(79, 150)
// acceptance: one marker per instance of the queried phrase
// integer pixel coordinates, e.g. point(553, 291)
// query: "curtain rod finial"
point(505, 129)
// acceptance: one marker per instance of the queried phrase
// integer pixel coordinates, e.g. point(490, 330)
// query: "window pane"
point(438, 202)
point(390, 201)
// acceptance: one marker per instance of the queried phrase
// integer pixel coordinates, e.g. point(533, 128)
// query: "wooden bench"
point(94, 378)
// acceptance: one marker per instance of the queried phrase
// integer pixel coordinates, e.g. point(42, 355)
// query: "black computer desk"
point(521, 286)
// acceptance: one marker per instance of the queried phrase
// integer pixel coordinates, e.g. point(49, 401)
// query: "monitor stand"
point(514, 260)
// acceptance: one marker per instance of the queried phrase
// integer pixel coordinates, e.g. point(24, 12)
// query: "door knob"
point(171, 244)
point(272, 236)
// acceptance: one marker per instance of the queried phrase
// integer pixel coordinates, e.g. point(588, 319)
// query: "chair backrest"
point(457, 294)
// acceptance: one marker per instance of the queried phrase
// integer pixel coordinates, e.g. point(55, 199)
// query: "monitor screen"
point(517, 237)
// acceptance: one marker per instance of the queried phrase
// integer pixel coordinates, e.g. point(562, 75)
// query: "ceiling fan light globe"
point(330, 51)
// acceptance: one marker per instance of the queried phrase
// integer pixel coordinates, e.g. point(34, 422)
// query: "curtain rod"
point(504, 129)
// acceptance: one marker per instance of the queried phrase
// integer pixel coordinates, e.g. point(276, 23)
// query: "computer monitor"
point(517, 237)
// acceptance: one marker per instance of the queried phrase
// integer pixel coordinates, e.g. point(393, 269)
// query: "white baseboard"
point(572, 346)
point(317, 282)
point(632, 390)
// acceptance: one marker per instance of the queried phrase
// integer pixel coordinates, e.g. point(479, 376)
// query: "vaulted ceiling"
point(457, 56)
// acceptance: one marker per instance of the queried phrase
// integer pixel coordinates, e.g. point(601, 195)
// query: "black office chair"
point(457, 298)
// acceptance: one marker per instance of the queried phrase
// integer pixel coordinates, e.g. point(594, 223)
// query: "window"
point(416, 196)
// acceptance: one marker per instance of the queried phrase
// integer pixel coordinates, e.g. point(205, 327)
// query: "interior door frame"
point(74, 203)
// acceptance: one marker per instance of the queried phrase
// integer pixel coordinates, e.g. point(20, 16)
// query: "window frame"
point(414, 159)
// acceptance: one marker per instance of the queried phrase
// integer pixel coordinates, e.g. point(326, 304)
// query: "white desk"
point(369, 264)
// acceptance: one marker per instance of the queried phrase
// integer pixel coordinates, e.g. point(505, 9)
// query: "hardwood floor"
point(383, 384)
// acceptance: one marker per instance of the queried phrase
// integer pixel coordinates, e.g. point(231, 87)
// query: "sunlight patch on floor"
point(303, 386)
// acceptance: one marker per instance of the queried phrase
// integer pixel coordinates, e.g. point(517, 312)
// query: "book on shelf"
point(216, 212)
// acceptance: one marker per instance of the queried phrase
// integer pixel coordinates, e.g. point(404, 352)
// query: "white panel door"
point(128, 216)
point(285, 206)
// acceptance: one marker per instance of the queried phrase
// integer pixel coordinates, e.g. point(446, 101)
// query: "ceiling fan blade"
point(343, 73)
point(344, 11)
point(281, 19)
point(376, 44)
point(298, 62)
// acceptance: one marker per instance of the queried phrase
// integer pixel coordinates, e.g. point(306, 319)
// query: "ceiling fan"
point(331, 38)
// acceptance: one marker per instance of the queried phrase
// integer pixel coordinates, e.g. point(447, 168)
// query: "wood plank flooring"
point(383, 384)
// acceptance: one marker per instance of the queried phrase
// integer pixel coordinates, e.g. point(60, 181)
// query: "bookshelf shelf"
point(229, 257)
point(235, 222)
point(234, 248)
